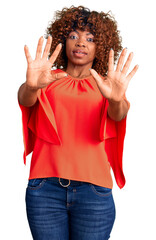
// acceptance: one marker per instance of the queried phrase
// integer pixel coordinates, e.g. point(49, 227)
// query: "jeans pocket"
point(36, 183)
point(101, 191)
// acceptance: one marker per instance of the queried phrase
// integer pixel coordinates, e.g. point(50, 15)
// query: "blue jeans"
point(81, 211)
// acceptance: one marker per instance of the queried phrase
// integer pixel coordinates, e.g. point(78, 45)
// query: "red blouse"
point(71, 135)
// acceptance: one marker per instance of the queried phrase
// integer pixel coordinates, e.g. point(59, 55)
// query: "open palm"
point(39, 73)
point(114, 85)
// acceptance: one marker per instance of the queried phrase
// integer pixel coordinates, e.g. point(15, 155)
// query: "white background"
point(23, 22)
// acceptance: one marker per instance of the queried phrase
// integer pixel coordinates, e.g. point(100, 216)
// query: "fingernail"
point(89, 69)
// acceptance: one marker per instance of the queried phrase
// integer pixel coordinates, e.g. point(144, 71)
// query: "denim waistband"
point(65, 182)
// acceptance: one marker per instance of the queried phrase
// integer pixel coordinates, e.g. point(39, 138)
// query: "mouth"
point(79, 53)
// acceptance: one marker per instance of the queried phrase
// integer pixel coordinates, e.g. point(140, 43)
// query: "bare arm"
point(117, 110)
point(27, 96)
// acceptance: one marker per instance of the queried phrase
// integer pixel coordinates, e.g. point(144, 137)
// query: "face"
point(80, 48)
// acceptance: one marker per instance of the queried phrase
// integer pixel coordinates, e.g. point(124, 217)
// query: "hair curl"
point(102, 25)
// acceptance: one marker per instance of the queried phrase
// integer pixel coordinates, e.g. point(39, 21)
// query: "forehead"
point(82, 32)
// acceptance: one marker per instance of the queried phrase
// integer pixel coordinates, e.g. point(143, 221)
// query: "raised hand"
point(39, 70)
point(114, 85)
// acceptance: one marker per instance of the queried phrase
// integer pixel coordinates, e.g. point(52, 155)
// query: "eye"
point(90, 39)
point(73, 37)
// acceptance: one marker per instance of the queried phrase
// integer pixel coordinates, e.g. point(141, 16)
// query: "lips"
point(79, 53)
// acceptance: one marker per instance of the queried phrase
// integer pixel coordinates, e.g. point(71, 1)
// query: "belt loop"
point(64, 185)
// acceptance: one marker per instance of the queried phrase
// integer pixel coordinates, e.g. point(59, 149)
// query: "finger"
point(47, 47)
point(111, 61)
point(132, 73)
point(39, 48)
point(127, 64)
point(27, 54)
point(55, 53)
point(121, 60)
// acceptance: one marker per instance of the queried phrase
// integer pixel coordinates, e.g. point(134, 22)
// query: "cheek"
point(93, 50)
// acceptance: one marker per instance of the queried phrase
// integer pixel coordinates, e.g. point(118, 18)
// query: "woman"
point(74, 121)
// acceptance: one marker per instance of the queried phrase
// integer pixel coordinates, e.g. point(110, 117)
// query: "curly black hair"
point(102, 25)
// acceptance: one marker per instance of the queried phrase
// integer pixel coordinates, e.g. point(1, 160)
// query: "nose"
point(80, 43)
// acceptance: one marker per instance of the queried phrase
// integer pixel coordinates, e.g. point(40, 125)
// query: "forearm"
point(27, 96)
point(117, 110)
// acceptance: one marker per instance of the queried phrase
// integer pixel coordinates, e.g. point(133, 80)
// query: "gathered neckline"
point(78, 79)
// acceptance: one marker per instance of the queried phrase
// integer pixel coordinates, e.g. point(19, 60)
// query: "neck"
point(78, 71)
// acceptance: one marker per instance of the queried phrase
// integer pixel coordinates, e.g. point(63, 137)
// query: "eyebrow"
point(86, 33)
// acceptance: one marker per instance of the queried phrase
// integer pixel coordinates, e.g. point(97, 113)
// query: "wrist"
point(117, 110)
point(30, 88)
point(115, 103)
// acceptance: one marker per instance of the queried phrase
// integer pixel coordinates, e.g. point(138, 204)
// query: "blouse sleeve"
point(28, 136)
point(113, 134)
point(38, 122)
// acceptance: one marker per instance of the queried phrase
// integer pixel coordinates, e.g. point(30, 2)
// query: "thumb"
point(100, 82)
point(60, 75)
point(57, 76)
point(96, 76)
